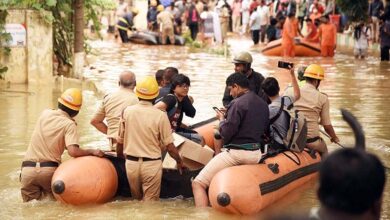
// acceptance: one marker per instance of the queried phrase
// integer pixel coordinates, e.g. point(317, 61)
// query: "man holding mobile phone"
point(241, 129)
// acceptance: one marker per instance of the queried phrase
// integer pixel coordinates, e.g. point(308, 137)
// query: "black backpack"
point(295, 139)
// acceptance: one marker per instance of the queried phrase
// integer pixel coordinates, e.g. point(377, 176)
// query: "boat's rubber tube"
point(85, 180)
point(303, 48)
point(247, 189)
point(152, 38)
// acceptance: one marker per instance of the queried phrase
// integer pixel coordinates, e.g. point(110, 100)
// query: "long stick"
point(330, 138)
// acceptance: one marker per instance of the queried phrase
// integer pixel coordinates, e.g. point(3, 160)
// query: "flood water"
point(362, 87)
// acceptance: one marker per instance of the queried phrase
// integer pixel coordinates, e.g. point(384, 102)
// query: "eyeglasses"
point(184, 86)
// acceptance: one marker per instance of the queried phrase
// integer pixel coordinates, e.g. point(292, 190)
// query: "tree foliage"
point(356, 10)
point(61, 17)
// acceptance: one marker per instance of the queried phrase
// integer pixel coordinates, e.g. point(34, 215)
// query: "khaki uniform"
point(142, 128)
point(165, 19)
point(315, 106)
point(54, 130)
point(111, 109)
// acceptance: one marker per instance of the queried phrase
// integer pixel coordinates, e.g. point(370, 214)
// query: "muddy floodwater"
point(363, 87)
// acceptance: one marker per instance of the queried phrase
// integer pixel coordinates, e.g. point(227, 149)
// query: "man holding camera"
point(280, 121)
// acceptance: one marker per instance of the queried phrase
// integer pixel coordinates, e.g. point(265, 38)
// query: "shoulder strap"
point(273, 119)
point(170, 94)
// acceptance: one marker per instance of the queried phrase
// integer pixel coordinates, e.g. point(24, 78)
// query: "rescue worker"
point(165, 20)
point(242, 64)
point(144, 132)
point(125, 23)
point(112, 107)
point(315, 106)
point(54, 132)
point(241, 129)
point(327, 33)
point(289, 32)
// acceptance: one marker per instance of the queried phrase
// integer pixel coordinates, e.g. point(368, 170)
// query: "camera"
point(285, 65)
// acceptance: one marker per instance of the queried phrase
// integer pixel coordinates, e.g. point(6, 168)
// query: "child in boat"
point(312, 31)
point(173, 103)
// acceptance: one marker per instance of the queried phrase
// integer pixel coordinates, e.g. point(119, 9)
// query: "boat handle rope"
point(297, 162)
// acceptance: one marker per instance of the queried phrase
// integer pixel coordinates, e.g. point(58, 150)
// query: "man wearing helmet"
point(315, 106)
point(242, 64)
point(126, 23)
point(144, 131)
point(54, 132)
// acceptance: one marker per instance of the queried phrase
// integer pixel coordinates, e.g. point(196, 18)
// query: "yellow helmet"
point(72, 98)
point(243, 57)
point(147, 88)
point(153, 3)
point(160, 8)
point(135, 11)
point(314, 71)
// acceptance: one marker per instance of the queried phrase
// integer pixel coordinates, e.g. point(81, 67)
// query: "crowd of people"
point(265, 21)
point(140, 117)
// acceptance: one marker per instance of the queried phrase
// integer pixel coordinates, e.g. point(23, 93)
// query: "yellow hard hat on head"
point(243, 57)
point(160, 8)
point(147, 88)
point(314, 71)
point(135, 11)
point(72, 98)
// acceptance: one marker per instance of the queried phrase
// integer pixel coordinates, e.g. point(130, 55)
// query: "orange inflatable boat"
point(85, 180)
point(303, 48)
point(247, 189)
point(91, 180)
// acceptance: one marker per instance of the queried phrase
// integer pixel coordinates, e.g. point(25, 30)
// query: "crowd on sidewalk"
point(316, 21)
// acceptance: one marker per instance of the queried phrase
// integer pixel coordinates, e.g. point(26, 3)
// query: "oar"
point(202, 123)
point(330, 138)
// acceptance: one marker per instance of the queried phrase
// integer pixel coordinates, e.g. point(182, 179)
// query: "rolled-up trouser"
point(36, 182)
point(144, 178)
point(319, 145)
point(227, 158)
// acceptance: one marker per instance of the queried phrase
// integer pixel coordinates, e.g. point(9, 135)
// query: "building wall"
point(32, 63)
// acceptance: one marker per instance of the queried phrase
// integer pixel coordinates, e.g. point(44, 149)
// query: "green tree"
point(67, 18)
point(356, 10)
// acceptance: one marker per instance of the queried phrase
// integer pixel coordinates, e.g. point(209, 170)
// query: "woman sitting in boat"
point(312, 31)
point(173, 103)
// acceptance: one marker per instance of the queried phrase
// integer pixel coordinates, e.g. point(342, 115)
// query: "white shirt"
point(255, 21)
point(264, 14)
point(362, 42)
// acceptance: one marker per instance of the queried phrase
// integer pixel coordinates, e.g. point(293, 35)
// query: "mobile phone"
point(285, 65)
point(217, 110)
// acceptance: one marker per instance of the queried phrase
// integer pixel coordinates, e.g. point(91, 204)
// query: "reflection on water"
point(359, 86)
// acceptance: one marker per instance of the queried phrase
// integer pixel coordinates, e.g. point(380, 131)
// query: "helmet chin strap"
point(247, 70)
